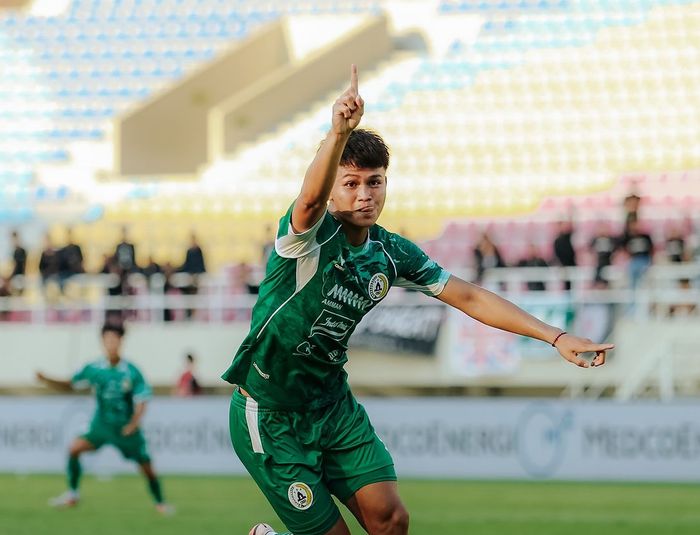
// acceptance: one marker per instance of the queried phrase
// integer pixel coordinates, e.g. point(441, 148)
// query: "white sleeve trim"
point(296, 245)
point(142, 398)
point(431, 289)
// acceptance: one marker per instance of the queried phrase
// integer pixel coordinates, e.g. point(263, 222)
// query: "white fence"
point(225, 298)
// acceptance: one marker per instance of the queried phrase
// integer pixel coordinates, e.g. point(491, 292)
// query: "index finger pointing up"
point(353, 78)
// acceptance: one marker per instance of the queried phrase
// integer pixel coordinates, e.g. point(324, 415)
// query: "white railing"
point(219, 298)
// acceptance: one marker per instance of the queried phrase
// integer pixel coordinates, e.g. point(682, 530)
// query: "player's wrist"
point(335, 136)
point(558, 338)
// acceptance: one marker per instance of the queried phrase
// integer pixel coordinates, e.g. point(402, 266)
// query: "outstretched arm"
point(319, 178)
point(492, 310)
point(55, 383)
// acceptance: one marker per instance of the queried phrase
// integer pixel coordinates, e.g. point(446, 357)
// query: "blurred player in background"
point(294, 422)
point(121, 393)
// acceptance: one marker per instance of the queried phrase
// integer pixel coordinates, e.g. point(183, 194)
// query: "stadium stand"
point(553, 109)
point(557, 106)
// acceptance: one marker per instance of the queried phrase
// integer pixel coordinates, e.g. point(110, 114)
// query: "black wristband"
point(554, 344)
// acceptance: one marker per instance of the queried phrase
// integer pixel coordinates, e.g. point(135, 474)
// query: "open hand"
point(349, 108)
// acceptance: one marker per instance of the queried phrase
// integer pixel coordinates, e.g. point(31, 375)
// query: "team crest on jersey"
point(378, 286)
point(300, 495)
point(126, 384)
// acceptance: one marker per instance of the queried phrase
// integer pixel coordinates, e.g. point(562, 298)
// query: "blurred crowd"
point(633, 248)
point(57, 266)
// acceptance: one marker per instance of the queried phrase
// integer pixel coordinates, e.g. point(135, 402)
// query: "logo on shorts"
point(300, 495)
point(378, 286)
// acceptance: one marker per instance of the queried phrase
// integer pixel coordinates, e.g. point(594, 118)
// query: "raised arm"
point(58, 384)
point(319, 178)
point(492, 310)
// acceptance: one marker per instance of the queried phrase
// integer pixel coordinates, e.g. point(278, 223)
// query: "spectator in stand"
point(533, 258)
point(564, 248)
point(640, 248)
point(152, 268)
point(630, 205)
point(5, 291)
point(193, 265)
point(125, 253)
point(603, 246)
point(187, 385)
point(194, 258)
point(19, 256)
point(70, 260)
point(694, 242)
point(245, 278)
point(117, 286)
point(675, 246)
point(48, 262)
point(486, 256)
point(169, 289)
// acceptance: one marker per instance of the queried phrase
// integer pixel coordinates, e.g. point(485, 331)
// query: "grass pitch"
point(229, 506)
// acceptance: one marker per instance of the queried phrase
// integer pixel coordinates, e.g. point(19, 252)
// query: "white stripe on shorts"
point(251, 418)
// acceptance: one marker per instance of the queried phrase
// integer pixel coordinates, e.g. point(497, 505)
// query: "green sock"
point(74, 473)
point(155, 490)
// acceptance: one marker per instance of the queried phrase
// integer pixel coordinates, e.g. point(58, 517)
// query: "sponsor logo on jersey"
point(342, 294)
point(332, 304)
point(126, 384)
point(300, 495)
point(335, 354)
point(332, 325)
point(378, 286)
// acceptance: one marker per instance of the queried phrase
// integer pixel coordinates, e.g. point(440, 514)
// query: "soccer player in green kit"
point(294, 423)
point(121, 393)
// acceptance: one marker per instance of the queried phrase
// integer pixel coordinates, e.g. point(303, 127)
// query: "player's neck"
point(355, 236)
point(114, 361)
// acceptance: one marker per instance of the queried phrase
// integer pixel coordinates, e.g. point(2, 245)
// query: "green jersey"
point(117, 389)
point(317, 288)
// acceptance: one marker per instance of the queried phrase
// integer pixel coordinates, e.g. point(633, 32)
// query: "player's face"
point(358, 195)
point(112, 343)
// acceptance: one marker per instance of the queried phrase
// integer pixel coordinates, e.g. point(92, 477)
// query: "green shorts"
point(301, 459)
point(132, 447)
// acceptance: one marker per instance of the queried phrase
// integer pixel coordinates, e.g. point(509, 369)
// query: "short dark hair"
point(365, 149)
point(116, 328)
